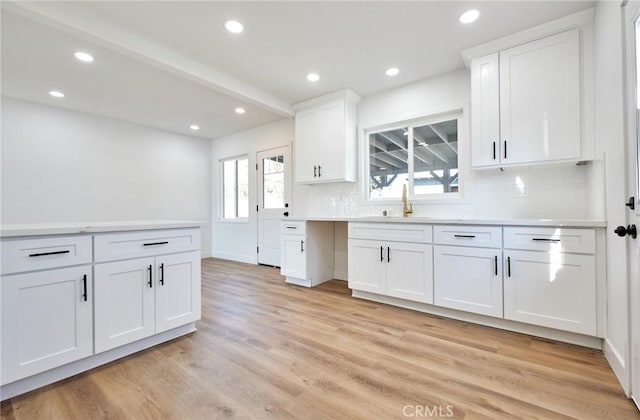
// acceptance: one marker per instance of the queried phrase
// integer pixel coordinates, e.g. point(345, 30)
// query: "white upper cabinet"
point(325, 143)
point(540, 100)
point(527, 98)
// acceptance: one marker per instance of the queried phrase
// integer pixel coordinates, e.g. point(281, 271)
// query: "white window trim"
point(221, 218)
point(464, 149)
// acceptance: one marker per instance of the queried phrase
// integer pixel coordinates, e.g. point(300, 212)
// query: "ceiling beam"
point(86, 25)
point(393, 139)
point(443, 136)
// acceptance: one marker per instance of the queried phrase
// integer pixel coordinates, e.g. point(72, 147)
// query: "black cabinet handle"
point(388, 254)
point(286, 213)
point(319, 173)
point(315, 168)
point(545, 239)
point(84, 287)
point(465, 236)
point(162, 274)
point(508, 266)
point(301, 246)
point(505, 149)
point(292, 227)
point(495, 265)
point(150, 268)
point(381, 257)
point(42, 254)
point(494, 150)
point(156, 243)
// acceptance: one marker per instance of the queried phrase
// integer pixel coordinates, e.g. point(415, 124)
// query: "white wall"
point(65, 166)
point(238, 240)
point(553, 192)
point(609, 132)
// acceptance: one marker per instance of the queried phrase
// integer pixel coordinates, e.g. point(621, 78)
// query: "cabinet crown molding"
point(345, 94)
point(575, 20)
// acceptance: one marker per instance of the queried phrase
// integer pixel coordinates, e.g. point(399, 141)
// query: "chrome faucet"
point(406, 209)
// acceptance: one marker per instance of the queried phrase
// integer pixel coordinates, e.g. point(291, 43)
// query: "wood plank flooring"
point(268, 350)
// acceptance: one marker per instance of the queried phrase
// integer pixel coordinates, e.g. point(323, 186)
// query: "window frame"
point(236, 219)
point(463, 159)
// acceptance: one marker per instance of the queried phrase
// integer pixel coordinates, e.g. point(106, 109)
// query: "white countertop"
point(442, 221)
point(8, 231)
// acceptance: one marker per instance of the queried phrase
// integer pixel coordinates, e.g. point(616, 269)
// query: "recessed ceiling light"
point(194, 127)
point(240, 110)
point(83, 56)
point(392, 71)
point(313, 77)
point(234, 26)
point(469, 16)
point(56, 94)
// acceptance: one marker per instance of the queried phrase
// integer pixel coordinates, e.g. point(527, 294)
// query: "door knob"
point(630, 230)
point(286, 213)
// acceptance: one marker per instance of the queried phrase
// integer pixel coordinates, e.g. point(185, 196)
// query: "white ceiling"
point(171, 64)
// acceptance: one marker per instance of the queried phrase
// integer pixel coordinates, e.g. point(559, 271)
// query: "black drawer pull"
point(291, 227)
point(301, 246)
point(150, 283)
point(42, 254)
point(156, 243)
point(495, 265)
point(545, 239)
point(84, 286)
point(508, 266)
point(381, 257)
point(465, 236)
point(162, 274)
point(388, 254)
point(494, 150)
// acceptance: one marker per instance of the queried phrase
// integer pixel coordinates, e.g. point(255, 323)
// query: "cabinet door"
point(468, 279)
point(540, 99)
point(410, 271)
point(46, 320)
point(551, 289)
point(124, 302)
point(367, 266)
point(177, 290)
point(330, 144)
point(293, 255)
point(305, 144)
point(485, 117)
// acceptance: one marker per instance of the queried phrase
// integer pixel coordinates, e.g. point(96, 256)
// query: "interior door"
point(274, 201)
point(632, 88)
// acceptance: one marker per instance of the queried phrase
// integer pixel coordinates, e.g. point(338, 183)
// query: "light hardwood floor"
point(269, 350)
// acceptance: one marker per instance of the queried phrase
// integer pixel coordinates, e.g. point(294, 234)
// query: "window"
point(423, 156)
point(273, 182)
point(235, 185)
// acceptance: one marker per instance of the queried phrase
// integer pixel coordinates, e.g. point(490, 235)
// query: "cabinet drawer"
point(120, 246)
point(43, 253)
point(294, 228)
point(391, 232)
point(478, 236)
point(582, 241)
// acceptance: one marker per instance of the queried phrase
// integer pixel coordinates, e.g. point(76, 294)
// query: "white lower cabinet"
point(47, 320)
point(551, 289)
point(294, 259)
point(397, 269)
point(138, 298)
point(468, 279)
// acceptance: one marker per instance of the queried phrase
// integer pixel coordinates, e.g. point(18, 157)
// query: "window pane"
point(229, 184)
point(388, 168)
point(273, 182)
point(435, 158)
point(243, 188)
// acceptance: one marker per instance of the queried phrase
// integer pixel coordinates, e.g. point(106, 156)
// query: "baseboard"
point(618, 365)
point(550, 333)
point(248, 259)
point(50, 376)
